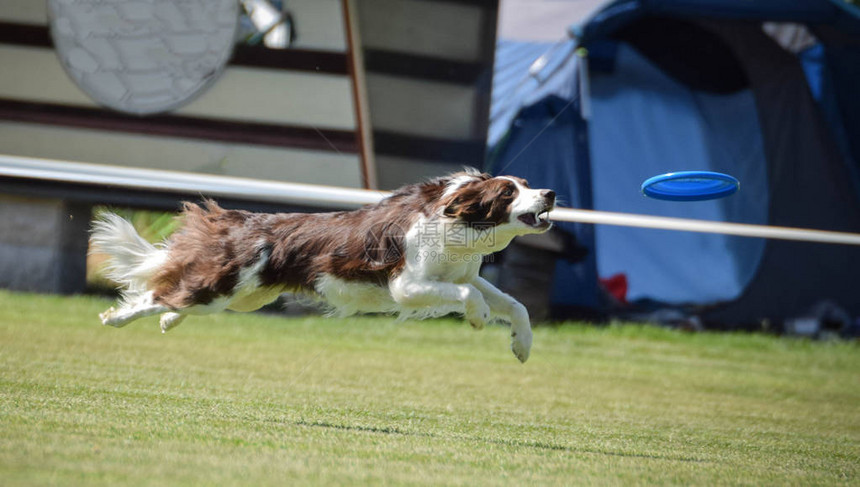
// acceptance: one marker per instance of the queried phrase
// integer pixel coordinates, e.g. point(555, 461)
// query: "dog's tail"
point(131, 259)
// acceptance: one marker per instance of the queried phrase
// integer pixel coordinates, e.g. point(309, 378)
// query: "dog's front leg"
point(512, 310)
point(417, 293)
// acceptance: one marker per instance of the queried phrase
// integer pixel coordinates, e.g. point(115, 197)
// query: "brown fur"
point(214, 244)
point(485, 202)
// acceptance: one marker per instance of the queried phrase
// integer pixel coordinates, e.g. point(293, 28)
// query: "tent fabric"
point(834, 106)
point(644, 124)
point(842, 66)
point(810, 186)
point(544, 132)
point(815, 12)
point(514, 88)
point(795, 154)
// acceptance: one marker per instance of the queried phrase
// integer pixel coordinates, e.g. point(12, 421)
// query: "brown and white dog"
point(416, 253)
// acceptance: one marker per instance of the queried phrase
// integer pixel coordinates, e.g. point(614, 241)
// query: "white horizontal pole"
point(703, 226)
point(333, 197)
point(210, 185)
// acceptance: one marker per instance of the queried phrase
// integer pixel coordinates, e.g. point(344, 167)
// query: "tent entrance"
point(645, 122)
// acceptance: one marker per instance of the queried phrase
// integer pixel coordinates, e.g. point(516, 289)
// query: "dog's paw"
point(479, 316)
point(521, 344)
point(169, 321)
point(107, 316)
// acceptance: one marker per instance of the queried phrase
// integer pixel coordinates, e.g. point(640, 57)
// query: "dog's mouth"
point(538, 219)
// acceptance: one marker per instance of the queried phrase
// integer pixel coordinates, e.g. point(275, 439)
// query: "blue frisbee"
point(690, 186)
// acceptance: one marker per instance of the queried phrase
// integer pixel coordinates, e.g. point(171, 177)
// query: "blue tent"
point(768, 91)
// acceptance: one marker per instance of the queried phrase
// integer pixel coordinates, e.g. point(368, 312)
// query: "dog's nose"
point(548, 194)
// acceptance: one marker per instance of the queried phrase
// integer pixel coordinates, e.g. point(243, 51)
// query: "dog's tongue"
point(528, 219)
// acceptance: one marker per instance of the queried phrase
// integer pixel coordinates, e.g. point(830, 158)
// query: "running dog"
point(416, 253)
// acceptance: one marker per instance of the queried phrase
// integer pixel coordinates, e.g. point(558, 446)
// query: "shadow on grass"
point(539, 445)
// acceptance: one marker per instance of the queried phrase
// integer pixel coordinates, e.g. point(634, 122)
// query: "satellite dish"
point(143, 57)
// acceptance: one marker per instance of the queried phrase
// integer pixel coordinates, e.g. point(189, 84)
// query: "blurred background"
point(140, 104)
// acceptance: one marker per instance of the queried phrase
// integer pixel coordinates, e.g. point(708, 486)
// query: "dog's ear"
point(453, 208)
point(468, 207)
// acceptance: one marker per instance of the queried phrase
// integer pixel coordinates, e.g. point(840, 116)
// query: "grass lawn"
point(256, 399)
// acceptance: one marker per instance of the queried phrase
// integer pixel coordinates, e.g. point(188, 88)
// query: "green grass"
point(255, 399)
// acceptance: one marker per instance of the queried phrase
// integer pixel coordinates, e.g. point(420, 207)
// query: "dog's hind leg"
point(170, 320)
point(130, 311)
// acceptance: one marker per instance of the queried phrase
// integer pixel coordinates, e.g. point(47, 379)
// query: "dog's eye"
point(508, 192)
